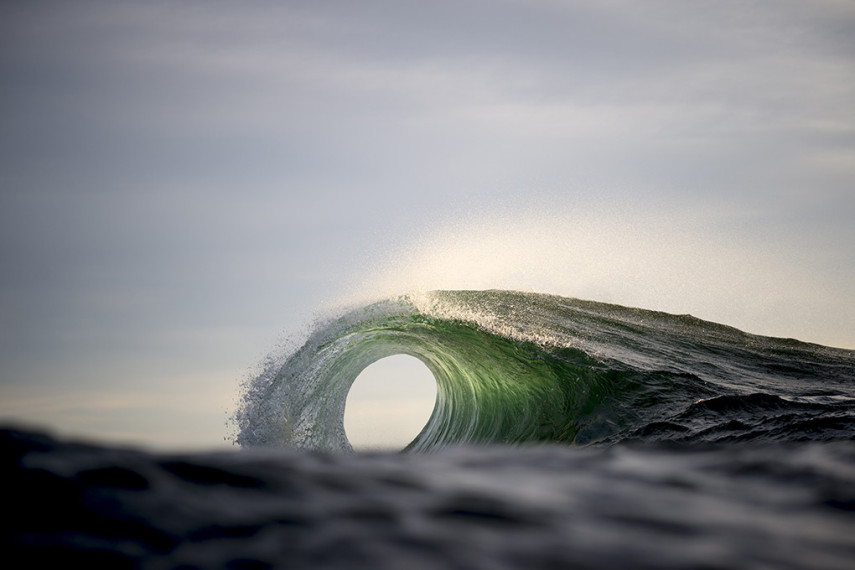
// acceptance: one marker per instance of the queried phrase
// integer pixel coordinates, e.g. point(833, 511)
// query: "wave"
point(514, 367)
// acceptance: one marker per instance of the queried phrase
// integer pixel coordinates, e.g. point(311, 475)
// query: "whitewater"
point(565, 434)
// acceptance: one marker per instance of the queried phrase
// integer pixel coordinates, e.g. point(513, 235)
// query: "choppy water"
point(566, 434)
point(789, 505)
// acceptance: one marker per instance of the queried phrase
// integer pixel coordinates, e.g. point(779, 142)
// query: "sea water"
point(566, 434)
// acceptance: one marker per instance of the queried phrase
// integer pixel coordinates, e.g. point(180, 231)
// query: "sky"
point(185, 186)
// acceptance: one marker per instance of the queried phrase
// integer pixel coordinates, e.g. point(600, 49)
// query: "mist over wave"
point(653, 256)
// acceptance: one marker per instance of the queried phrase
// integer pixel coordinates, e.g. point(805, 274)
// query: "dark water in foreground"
point(566, 434)
point(775, 505)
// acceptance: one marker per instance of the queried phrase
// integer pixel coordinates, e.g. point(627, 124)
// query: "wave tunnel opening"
point(389, 403)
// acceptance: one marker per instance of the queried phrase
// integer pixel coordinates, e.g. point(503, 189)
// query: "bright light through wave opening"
point(389, 404)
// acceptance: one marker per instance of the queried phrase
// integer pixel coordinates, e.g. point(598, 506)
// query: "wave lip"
point(514, 367)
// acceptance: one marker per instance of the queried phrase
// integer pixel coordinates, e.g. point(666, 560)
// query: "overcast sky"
point(183, 185)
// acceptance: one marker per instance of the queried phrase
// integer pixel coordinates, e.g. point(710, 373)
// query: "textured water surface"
point(759, 506)
point(521, 367)
point(566, 434)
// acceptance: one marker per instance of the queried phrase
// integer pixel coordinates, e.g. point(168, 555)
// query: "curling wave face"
point(515, 367)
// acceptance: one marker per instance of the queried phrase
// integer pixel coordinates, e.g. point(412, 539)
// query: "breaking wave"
point(514, 368)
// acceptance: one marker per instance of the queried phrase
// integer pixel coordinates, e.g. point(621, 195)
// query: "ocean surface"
point(566, 434)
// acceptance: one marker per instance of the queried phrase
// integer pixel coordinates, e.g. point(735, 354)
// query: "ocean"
point(566, 434)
